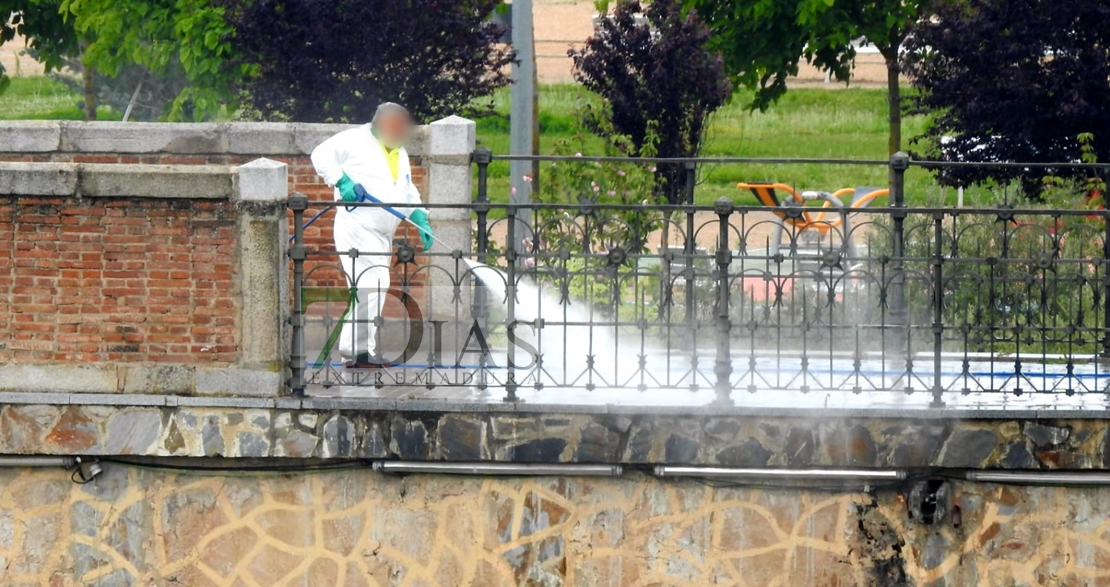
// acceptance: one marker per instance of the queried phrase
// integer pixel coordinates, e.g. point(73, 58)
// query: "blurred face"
point(393, 129)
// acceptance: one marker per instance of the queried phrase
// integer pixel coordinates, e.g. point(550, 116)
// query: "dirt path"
point(563, 24)
point(14, 62)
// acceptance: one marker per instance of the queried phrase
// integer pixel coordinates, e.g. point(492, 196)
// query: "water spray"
point(364, 196)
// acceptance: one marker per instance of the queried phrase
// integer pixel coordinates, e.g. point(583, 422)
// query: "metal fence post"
point(899, 163)
point(510, 303)
point(690, 247)
point(723, 367)
point(1106, 286)
point(480, 300)
point(938, 308)
point(482, 157)
point(298, 203)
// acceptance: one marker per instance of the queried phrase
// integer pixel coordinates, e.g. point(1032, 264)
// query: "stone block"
point(30, 136)
point(597, 444)
point(681, 449)
point(133, 432)
point(1019, 457)
point(262, 265)
point(449, 184)
point(541, 450)
point(144, 137)
point(849, 446)
point(968, 448)
point(170, 379)
point(64, 378)
point(409, 438)
point(251, 444)
point(307, 137)
point(26, 429)
point(211, 437)
point(451, 136)
point(156, 181)
point(261, 138)
point(233, 381)
point(263, 180)
point(373, 445)
point(462, 438)
point(1044, 435)
point(38, 179)
point(340, 439)
point(749, 453)
point(295, 444)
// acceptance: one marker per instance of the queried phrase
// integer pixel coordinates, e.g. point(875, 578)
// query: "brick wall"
point(117, 280)
point(131, 280)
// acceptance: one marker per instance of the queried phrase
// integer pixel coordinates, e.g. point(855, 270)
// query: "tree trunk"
point(894, 99)
point(90, 92)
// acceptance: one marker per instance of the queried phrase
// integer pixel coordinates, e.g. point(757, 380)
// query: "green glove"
point(420, 218)
point(346, 187)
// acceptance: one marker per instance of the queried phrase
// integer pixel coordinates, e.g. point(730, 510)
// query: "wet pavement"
point(977, 384)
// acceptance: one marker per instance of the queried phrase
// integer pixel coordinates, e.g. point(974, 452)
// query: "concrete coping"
point(237, 388)
point(274, 139)
point(109, 180)
point(141, 380)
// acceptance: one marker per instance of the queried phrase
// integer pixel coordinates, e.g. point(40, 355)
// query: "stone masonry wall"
point(357, 528)
point(168, 426)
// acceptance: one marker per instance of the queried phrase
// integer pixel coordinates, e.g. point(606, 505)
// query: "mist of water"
point(570, 335)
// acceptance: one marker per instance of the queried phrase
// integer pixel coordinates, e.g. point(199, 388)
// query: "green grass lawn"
point(843, 123)
point(44, 98)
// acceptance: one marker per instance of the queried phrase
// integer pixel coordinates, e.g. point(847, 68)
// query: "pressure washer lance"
point(364, 196)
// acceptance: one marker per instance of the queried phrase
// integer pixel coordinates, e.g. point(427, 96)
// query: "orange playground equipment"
point(813, 213)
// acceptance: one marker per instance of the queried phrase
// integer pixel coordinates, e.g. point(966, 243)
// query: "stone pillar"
point(263, 281)
point(447, 148)
point(446, 157)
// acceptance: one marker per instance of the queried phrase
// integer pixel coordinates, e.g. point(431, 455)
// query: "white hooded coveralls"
point(358, 153)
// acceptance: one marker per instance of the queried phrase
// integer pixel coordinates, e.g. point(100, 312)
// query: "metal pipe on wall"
point(781, 474)
point(1041, 477)
point(9, 461)
point(498, 469)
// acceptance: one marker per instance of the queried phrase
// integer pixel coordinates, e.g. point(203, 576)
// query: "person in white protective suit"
point(373, 156)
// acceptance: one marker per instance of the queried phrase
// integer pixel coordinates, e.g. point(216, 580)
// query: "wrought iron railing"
point(586, 297)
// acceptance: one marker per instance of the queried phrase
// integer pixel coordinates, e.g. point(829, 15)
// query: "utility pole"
point(523, 131)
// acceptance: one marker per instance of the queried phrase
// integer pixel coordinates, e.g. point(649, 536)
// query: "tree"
point(48, 34)
point(335, 61)
point(134, 92)
point(659, 79)
point(763, 41)
point(167, 38)
point(1013, 80)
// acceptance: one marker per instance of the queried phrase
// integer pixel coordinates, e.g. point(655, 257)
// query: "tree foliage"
point(661, 82)
point(134, 91)
point(336, 60)
point(1013, 80)
point(763, 41)
point(48, 34)
point(167, 38)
